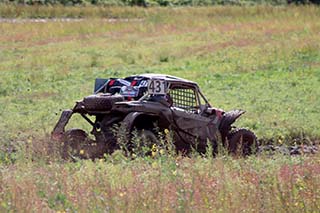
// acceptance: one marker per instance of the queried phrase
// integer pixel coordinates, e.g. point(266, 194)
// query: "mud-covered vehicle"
point(148, 104)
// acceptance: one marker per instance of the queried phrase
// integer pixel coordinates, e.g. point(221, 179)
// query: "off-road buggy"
point(148, 104)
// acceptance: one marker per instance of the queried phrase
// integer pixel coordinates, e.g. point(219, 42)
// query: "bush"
point(145, 3)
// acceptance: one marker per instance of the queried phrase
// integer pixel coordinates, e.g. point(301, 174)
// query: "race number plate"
point(157, 87)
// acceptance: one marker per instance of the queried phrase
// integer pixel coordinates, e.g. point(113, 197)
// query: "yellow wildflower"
point(166, 131)
point(154, 150)
point(154, 165)
point(29, 140)
point(153, 153)
point(162, 151)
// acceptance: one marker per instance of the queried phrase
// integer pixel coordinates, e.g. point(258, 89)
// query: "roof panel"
point(163, 77)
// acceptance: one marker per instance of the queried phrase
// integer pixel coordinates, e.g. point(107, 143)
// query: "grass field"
point(265, 60)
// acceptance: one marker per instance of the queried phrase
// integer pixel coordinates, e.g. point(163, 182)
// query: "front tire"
point(77, 145)
point(242, 142)
point(73, 141)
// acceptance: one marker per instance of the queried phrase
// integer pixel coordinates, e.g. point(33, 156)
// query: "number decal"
point(157, 87)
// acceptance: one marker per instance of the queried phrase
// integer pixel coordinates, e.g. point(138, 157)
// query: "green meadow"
point(263, 59)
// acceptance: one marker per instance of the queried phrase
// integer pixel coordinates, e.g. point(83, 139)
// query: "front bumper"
point(59, 129)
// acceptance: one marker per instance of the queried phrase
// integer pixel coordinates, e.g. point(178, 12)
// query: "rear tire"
point(101, 101)
point(144, 143)
point(242, 142)
point(148, 137)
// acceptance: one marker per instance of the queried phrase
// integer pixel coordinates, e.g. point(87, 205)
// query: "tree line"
point(146, 3)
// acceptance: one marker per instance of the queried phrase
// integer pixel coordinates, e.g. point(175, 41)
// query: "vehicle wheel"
point(148, 137)
point(144, 144)
point(242, 142)
point(73, 141)
point(77, 145)
point(101, 101)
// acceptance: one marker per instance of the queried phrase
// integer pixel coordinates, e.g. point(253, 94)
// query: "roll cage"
point(183, 95)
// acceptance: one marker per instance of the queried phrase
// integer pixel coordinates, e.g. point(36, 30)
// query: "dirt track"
point(289, 150)
point(45, 20)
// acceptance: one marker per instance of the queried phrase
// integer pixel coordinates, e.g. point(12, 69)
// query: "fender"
point(228, 119)
point(140, 120)
point(128, 121)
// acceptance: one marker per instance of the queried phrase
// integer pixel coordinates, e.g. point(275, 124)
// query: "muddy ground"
point(289, 150)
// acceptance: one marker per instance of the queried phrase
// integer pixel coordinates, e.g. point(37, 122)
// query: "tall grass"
point(162, 183)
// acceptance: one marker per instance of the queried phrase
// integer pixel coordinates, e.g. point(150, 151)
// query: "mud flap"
point(63, 121)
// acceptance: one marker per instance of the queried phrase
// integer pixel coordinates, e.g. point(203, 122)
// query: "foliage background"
point(146, 3)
